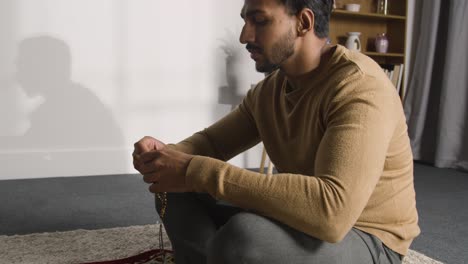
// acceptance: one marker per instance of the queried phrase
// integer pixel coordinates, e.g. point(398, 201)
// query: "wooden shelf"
point(367, 15)
point(370, 24)
point(375, 54)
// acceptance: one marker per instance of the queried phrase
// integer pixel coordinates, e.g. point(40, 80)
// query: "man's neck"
point(306, 61)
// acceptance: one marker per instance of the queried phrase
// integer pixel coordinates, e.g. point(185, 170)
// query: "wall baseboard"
point(31, 164)
point(65, 163)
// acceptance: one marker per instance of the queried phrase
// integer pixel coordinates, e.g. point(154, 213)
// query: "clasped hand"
point(162, 167)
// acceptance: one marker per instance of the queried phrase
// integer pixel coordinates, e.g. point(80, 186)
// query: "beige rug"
point(98, 245)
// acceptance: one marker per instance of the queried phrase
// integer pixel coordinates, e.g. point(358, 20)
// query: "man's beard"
point(281, 50)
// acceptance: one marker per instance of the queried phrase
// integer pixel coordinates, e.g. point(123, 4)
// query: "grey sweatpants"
point(203, 230)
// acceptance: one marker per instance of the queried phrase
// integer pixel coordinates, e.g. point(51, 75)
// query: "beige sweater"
point(341, 147)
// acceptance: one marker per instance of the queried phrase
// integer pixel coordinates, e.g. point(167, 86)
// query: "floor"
point(60, 204)
point(442, 201)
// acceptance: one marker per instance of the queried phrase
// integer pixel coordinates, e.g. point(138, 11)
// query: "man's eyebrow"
point(249, 13)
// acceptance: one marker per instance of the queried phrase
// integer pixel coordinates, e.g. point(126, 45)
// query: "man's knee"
point(235, 241)
point(250, 238)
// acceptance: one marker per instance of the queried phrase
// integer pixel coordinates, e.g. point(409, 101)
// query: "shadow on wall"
point(68, 116)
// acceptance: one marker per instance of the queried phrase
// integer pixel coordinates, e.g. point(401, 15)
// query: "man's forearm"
point(198, 144)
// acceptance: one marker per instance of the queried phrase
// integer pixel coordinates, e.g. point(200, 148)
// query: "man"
point(332, 124)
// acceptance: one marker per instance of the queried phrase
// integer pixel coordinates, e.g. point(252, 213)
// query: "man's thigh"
point(191, 219)
point(197, 206)
point(236, 235)
point(250, 238)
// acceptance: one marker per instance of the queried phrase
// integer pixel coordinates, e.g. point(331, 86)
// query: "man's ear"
point(305, 20)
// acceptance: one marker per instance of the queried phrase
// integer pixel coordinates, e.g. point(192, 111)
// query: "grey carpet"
point(61, 204)
point(442, 202)
point(99, 245)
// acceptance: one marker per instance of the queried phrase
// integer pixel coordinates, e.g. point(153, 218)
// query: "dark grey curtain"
point(436, 103)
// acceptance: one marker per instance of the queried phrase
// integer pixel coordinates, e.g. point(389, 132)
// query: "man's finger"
point(136, 164)
point(155, 188)
point(143, 145)
point(141, 166)
point(136, 159)
point(148, 168)
point(151, 177)
point(149, 156)
point(138, 148)
point(135, 154)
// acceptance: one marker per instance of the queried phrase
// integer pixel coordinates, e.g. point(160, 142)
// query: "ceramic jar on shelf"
point(381, 43)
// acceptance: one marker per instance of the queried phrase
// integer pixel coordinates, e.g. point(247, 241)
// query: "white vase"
point(353, 42)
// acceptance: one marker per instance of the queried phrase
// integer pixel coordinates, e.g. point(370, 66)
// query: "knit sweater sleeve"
point(231, 135)
point(348, 165)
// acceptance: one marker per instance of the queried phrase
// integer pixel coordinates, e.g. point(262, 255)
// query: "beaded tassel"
point(162, 197)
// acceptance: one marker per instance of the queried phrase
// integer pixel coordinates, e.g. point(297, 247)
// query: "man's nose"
point(247, 35)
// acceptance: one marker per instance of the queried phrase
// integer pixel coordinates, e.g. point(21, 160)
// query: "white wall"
point(146, 67)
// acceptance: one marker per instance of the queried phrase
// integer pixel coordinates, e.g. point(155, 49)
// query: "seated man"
point(334, 127)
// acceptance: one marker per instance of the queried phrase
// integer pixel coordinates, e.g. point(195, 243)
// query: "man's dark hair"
point(321, 8)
